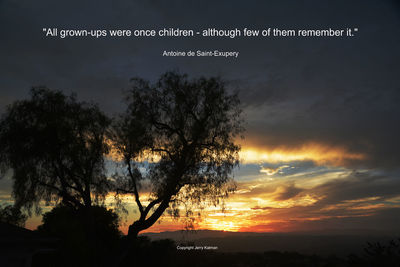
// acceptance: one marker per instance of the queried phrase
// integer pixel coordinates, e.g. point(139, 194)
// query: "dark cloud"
point(359, 185)
point(289, 191)
point(384, 221)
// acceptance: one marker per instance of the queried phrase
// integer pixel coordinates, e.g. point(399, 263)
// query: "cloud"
point(357, 202)
point(361, 134)
point(382, 221)
point(318, 153)
point(287, 192)
point(351, 200)
point(272, 171)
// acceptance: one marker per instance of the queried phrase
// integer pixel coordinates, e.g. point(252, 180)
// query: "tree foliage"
point(177, 141)
point(12, 215)
point(55, 147)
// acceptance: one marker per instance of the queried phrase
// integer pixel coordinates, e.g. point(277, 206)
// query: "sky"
point(321, 147)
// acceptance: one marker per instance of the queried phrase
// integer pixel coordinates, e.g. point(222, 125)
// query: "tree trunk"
point(143, 224)
point(134, 230)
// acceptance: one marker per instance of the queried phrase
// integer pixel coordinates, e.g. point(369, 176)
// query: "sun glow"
point(221, 225)
point(318, 153)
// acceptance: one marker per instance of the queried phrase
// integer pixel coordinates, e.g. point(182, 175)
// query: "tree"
point(55, 147)
point(176, 140)
point(12, 215)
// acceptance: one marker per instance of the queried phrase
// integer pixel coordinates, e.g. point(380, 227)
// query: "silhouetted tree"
point(12, 215)
point(54, 146)
point(176, 139)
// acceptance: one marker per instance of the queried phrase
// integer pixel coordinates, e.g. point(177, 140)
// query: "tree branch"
point(150, 206)
point(63, 194)
point(135, 190)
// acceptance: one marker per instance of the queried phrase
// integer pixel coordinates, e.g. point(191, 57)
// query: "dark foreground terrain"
point(165, 252)
point(22, 247)
point(328, 243)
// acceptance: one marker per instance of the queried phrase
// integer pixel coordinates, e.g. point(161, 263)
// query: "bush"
point(89, 237)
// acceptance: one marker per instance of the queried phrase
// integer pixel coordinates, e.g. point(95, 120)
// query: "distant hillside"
point(306, 243)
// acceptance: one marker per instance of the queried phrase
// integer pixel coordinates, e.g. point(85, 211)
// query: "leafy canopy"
point(54, 146)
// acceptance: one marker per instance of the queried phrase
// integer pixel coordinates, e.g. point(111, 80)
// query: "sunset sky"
point(321, 147)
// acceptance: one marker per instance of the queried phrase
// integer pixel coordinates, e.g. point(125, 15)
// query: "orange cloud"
point(319, 153)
